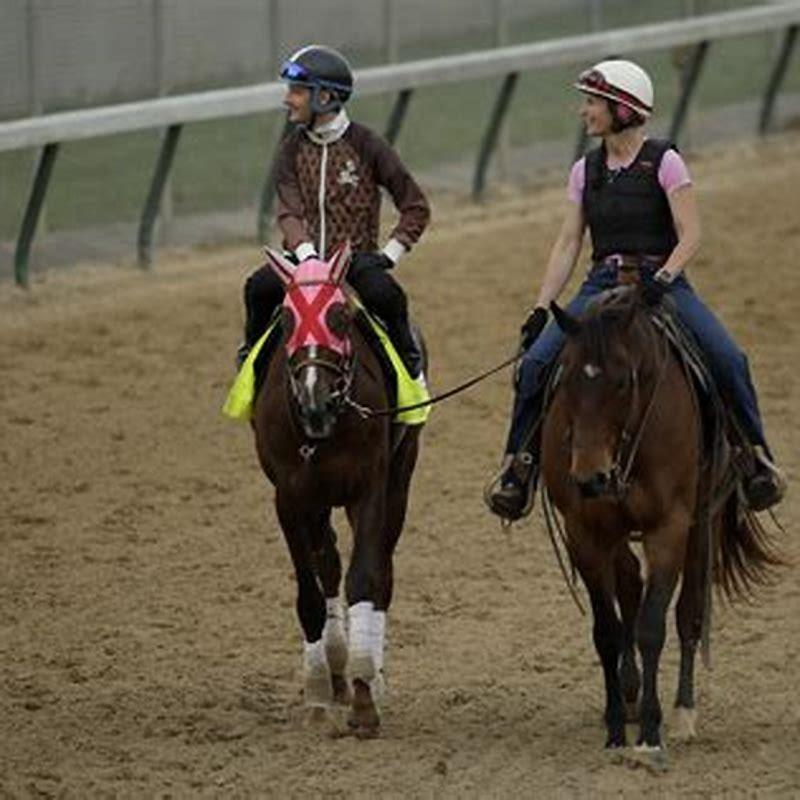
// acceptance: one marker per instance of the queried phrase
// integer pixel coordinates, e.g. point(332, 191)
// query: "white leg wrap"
point(334, 637)
point(361, 617)
point(318, 688)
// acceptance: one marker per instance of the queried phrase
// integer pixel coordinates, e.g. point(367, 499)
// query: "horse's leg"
point(310, 603)
point(664, 549)
point(403, 462)
point(596, 570)
point(689, 616)
point(364, 586)
point(328, 566)
point(629, 597)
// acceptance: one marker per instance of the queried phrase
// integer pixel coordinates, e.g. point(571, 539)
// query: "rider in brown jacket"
point(330, 173)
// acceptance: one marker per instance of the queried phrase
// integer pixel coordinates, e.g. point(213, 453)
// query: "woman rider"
point(636, 197)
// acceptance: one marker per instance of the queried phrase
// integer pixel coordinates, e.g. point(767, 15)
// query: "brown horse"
point(320, 454)
point(622, 453)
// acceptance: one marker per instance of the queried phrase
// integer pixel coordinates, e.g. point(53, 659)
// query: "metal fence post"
point(398, 115)
point(501, 104)
point(160, 84)
point(500, 35)
point(689, 77)
point(41, 179)
point(169, 144)
point(776, 78)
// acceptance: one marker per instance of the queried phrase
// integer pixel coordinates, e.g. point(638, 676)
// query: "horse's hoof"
point(653, 757)
point(364, 720)
point(685, 725)
point(366, 732)
point(364, 726)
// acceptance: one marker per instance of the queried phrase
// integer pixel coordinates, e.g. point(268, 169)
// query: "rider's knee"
point(380, 291)
point(263, 287)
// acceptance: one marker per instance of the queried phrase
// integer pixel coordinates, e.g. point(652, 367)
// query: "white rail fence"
point(172, 113)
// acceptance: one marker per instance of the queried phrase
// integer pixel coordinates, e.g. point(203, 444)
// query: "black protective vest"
point(626, 210)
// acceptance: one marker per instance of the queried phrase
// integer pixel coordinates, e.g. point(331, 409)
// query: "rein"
point(622, 476)
point(365, 412)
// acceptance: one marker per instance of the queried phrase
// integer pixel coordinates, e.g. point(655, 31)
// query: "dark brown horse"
point(622, 454)
point(320, 454)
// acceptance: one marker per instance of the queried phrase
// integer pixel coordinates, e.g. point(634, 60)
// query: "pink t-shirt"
point(672, 174)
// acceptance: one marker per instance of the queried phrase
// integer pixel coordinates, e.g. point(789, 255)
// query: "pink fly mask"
point(315, 306)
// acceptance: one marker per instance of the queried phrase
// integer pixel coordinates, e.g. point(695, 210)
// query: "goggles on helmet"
point(296, 73)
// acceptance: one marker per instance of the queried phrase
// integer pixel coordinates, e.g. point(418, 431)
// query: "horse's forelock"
point(610, 316)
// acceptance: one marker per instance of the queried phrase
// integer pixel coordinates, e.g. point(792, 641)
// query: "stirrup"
point(514, 501)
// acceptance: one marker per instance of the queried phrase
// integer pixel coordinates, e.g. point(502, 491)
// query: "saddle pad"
point(241, 397)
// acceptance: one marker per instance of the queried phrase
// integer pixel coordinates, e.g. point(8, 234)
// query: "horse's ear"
point(340, 263)
point(280, 265)
point(564, 320)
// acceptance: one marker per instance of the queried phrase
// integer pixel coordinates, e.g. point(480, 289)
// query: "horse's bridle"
point(344, 369)
point(619, 474)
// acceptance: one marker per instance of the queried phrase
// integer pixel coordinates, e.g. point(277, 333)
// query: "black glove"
point(654, 289)
point(371, 260)
point(532, 327)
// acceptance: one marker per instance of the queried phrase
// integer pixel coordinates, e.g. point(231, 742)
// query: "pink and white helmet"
point(620, 81)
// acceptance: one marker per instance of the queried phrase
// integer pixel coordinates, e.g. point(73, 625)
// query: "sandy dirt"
point(148, 641)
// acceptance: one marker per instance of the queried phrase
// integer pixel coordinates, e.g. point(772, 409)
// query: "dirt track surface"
point(148, 641)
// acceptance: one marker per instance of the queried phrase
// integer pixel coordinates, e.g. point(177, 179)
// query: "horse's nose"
point(317, 423)
point(594, 486)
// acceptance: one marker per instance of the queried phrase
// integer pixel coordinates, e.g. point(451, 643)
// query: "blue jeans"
point(727, 362)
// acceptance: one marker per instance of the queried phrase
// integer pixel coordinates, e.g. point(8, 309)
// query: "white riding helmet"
point(620, 81)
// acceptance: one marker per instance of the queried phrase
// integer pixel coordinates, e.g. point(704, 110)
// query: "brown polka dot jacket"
point(330, 193)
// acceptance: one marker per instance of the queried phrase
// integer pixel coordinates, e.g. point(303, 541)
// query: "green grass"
point(221, 164)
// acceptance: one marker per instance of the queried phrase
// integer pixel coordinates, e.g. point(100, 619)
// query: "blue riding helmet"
point(320, 68)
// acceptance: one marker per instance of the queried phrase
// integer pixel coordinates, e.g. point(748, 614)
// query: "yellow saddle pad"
point(239, 403)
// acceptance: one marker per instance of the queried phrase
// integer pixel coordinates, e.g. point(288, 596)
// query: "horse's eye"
point(622, 384)
point(337, 319)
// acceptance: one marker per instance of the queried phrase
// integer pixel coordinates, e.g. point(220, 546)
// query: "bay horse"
point(622, 454)
point(320, 454)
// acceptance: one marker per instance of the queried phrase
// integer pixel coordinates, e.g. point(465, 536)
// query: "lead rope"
point(365, 412)
point(556, 533)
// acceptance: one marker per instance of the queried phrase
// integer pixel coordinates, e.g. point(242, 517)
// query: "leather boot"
point(511, 493)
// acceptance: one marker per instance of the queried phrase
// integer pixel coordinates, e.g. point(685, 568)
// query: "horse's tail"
point(746, 557)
